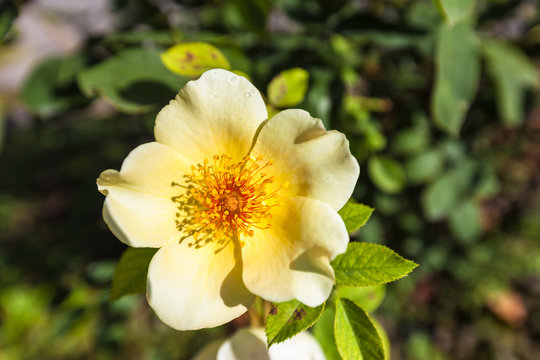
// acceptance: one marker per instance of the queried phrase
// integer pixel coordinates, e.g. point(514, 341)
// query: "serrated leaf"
point(366, 264)
point(288, 88)
point(133, 81)
point(384, 337)
point(386, 173)
point(355, 215)
point(130, 272)
point(288, 319)
point(356, 335)
point(458, 70)
point(455, 10)
point(323, 330)
point(367, 297)
point(510, 85)
point(194, 58)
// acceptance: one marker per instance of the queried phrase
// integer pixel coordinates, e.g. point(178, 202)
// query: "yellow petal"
point(216, 114)
point(192, 289)
point(138, 208)
point(292, 258)
point(317, 163)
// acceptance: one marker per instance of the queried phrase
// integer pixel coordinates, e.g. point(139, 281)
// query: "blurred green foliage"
point(438, 100)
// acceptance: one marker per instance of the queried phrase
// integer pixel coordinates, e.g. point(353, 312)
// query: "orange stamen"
point(224, 200)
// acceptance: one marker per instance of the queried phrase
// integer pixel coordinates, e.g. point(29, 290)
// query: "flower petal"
point(243, 345)
point(192, 288)
point(250, 344)
point(209, 352)
point(317, 163)
point(292, 258)
point(300, 347)
point(217, 114)
point(138, 208)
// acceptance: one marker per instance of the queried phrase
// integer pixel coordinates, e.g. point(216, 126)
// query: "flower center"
point(224, 200)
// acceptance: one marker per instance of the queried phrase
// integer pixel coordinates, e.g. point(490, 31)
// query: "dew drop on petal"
point(233, 79)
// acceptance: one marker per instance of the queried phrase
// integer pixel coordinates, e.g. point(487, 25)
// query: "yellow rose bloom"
point(238, 205)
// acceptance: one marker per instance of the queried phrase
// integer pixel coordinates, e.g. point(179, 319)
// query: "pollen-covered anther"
point(225, 199)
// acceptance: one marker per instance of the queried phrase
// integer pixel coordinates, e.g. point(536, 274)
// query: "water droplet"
point(233, 79)
point(252, 91)
point(248, 94)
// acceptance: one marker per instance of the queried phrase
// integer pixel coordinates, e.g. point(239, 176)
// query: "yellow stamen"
point(224, 200)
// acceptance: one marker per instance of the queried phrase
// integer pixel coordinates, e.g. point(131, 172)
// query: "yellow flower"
point(239, 206)
point(250, 344)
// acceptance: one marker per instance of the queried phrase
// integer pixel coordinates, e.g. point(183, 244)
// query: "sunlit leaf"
point(130, 272)
point(384, 337)
point(510, 84)
point(457, 75)
point(133, 81)
point(194, 58)
point(386, 173)
point(366, 264)
point(356, 335)
point(288, 319)
point(455, 10)
point(367, 297)
point(355, 215)
point(323, 330)
point(288, 88)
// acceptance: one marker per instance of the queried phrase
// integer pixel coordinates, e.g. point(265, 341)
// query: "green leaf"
point(323, 331)
point(365, 264)
point(356, 335)
point(386, 173)
point(163, 38)
point(8, 14)
point(411, 141)
point(133, 81)
point(194, 58)
point(367, 297)
point(510, 85)
point(424, 167)
point(46, 89)
point(384, 337)
point(252, 13)
point(288, 319)
point(2, 123)
point(465, 221)
point(318, 100)
point(288, 88)
point(130, 272)
point(355, 215)
point(455, 10)
point(457, 75)
point(440, 198)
